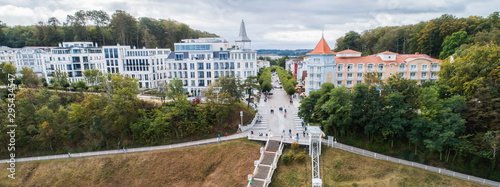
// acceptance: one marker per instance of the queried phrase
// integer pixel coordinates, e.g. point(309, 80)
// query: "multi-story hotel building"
point(8, 55)
point(33, 58)
point(73, 58)
point(350, 67)
point(320, 66)
point(197, 62)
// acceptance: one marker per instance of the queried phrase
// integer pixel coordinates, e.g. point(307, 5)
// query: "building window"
point(433, 75)
point(200, 74)
point(360, 67)
point(434, 67)
point(209, 74)
point(216, 65)
point(422, 81)
point(360, 75)
point(350, 67)
point(424, 75)
point(339, 75)
point(179, 56)
point(402, 74)
point(402, 66)
point(340, 67)
point(381, 67)
point(359, 82)
point(424, 67)
point(192, 75)
point(246, 64)
point(370, 67)
point(339, 83)
point(349, 75)
point(238, 65)
point(208, 66)
point(200, 65)
point(413, 67)
point(412, 75)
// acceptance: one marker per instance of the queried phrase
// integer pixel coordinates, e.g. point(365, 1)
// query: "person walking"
point(218, 138)
point(251, 133)
point(69, 154)
point(226, 135)
point(304, 133)
point(289, 131)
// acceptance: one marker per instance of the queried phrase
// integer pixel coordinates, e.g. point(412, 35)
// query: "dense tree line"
point(99, 27)
point(426, 37)
point(287, 80)
point(51, 121)
point(455, 120)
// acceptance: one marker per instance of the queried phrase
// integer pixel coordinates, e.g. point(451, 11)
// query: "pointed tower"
point(321, 66)
point(243, 38)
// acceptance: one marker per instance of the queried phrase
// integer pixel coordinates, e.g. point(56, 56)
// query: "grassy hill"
point(224, 164)
point(342, 168)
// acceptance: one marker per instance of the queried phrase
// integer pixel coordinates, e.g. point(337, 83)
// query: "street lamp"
point(241, 115)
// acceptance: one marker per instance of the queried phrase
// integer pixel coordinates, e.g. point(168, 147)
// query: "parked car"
point(271, 93)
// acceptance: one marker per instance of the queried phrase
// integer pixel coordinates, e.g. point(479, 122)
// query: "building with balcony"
point(320, 66)
point(418, 67)
point(73, 58)
point(33, 58)
point(8, 55)
point(199, 62)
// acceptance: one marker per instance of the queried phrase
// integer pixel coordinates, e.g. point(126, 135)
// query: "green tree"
point(60, 79)
point(6, 69)
point(93, 77)
point(351, 40)
point(451, 43)
point(249, 85)
point(29, 78)
point(176, 90)
point(471, 68)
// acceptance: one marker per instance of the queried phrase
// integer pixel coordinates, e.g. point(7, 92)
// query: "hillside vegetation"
point(342, 168)
point(224, 164)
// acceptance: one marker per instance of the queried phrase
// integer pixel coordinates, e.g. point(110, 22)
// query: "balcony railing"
point(350, 78)
point(434, 77)
point(413, 69)
point(404, 69)
point(380, 70)
point(413, 77)
point(434, 69)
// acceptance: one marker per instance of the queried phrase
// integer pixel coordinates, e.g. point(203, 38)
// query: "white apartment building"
point(73, 58)
point(147, 65)
point(8, 54)
point(199, 62)
point(32, 58)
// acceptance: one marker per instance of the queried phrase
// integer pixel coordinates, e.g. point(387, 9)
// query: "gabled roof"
point(322, 48)
point(348, 51)
point(388, 52)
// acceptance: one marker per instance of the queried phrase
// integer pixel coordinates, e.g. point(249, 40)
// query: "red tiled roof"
point(322, 48)
point(348, 51)
point(388, 52)
point(404, 58)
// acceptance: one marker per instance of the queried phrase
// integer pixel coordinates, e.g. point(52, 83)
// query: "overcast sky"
point(271, 24)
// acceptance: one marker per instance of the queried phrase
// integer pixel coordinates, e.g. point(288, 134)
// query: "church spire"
point(243, 34)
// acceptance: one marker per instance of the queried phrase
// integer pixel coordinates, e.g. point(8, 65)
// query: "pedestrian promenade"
point(129, 150)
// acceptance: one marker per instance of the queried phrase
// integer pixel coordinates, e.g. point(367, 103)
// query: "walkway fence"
point(131, 150)
point(414, 164)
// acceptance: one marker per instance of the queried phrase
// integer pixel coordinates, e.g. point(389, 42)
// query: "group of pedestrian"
point(218, 136)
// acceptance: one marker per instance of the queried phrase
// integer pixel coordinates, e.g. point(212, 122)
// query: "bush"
point(300, 157)
point(288, 157)
point(295, 146)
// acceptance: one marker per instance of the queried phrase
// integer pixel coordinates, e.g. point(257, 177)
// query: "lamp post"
point(241, 115)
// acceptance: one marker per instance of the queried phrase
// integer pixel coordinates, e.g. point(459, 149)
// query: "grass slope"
point(342, 168)
point(224, 164)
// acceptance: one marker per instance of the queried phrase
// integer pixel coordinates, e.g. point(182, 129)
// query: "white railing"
point(414, 164)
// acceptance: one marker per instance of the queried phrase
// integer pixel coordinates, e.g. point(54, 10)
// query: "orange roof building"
point(322, 48)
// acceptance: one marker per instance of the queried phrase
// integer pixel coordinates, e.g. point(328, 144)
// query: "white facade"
point(73, 58)
point(32, 58)
point(199, 62)
point(8, 55)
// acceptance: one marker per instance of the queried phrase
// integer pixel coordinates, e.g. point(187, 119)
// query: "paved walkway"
point(131, 150)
